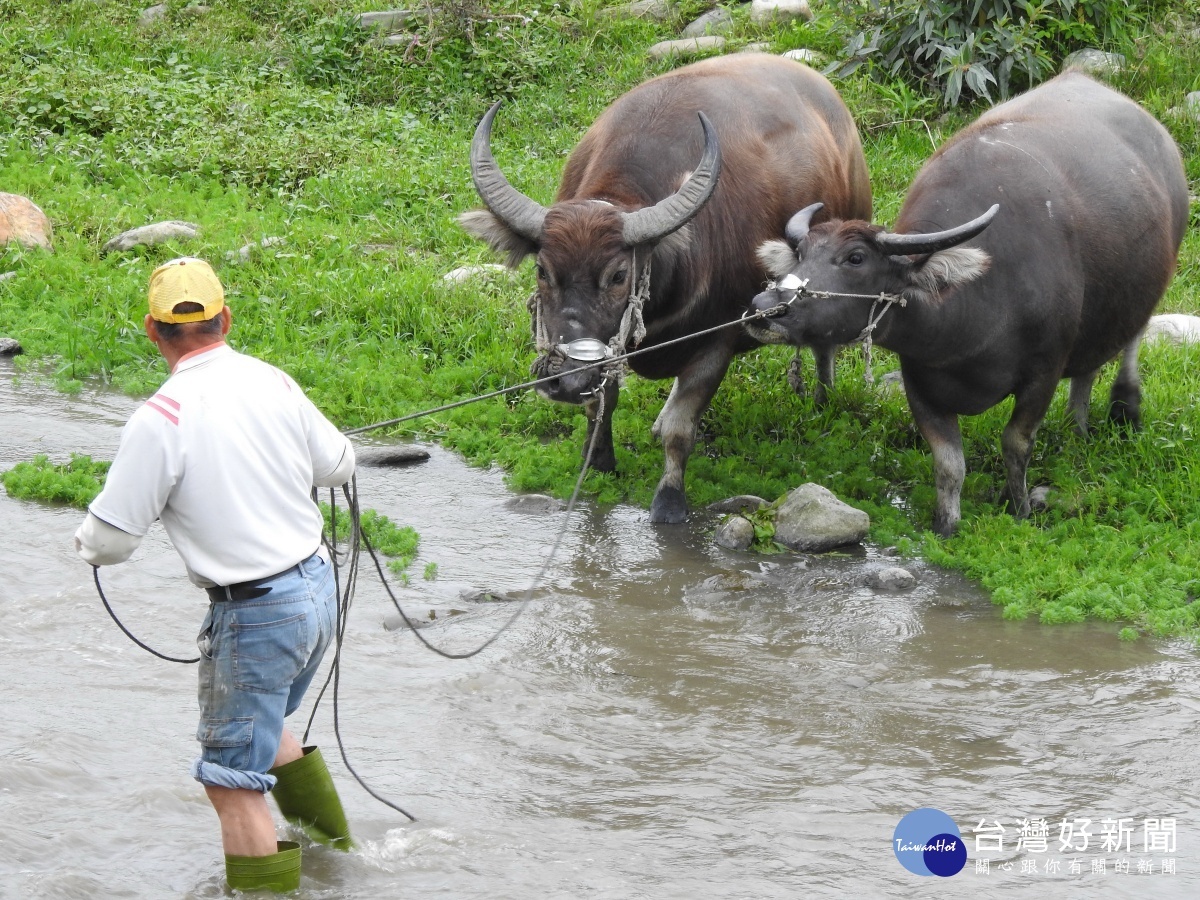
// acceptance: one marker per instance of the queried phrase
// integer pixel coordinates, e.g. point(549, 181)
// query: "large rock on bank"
point(23, 222)
point(812, 519)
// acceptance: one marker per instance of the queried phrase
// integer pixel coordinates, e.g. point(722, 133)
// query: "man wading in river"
point(226, 454)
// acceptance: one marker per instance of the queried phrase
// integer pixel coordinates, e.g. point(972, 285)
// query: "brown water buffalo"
point(675, 185)
point(1093, 204)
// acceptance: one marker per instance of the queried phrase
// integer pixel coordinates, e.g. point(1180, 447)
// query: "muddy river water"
point(667, 719)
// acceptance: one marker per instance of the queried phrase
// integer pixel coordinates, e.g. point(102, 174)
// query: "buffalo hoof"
point(944, 526)
point(602, 460)
point(1126, 414)
point(669, 507)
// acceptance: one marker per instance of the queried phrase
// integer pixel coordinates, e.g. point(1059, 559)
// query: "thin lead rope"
point(412, 626)
point(356, 534)
point(747, 317)
point(128, 633)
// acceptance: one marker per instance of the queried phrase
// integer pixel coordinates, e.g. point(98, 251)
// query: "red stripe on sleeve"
point(171, 417)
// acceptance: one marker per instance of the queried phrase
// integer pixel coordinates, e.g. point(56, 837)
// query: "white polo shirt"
point(226, 454)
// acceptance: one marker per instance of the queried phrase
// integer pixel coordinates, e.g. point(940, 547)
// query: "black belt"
point(246, 590)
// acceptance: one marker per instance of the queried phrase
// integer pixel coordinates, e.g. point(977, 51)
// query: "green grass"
point(271, 119)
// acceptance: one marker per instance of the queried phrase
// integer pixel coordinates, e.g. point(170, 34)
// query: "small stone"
point(892, 382)
point(149, 235)
point(715, 21)
point(769, 12)
point(534, 504)
point(10, 347)
point(243, 255)
point(23, 222)
point(153, 14)
point(685, 47)
point(485, 595)
point(1039, 498)
point(856, 681)
point(384, 20)
point(376, 249)
point(397, 40)
point(467, 273)
point(400, 455)
point(892, 578)
point(735, 533)
point(742, 503)
point(804, 55)
point(1094, 62)
point(196, 10)
point(757, 47)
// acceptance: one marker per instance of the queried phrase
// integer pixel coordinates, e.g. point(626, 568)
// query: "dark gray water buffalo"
point(1093, 203)
point(661, 208)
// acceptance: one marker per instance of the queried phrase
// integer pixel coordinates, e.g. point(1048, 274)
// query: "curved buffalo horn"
point(797, 226)
point(911, 244)
point(510, 206)
point(672, 213)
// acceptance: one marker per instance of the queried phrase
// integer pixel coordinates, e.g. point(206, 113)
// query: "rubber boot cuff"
point(307, 798)
point(279, 872)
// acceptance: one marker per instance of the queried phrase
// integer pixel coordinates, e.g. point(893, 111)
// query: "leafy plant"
point(398, 542)
point(75, 483)
point(967, 50)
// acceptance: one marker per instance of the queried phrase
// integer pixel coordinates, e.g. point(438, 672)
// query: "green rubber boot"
point(307, 797)
point(279, 872)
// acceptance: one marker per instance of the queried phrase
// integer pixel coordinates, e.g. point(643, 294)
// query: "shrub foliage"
point(965, 51)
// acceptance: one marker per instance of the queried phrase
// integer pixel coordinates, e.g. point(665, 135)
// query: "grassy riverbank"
point(266, 119)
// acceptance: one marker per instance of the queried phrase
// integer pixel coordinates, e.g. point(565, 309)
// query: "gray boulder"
point(735, 533)
point(1095, 62)
point(686, 47)
point(804, 55)
point(654, 10)
point(774, 12)
point(534, 504)
point(149, 235)
point(715, 21)
point(812, 519)
point(10, 347)
point(742, 503)
point(1178, 328)
point(153, 14)
point(384, 20)
point(399, 455)
point(472, 273)
point(892, 578)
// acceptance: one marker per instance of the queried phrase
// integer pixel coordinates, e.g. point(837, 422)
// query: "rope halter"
point(633, 326)
point(799, 287)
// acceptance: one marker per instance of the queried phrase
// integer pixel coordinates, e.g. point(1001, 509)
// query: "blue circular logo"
point(927, 842)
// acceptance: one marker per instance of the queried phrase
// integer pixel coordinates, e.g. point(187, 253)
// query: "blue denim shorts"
point(257, 658)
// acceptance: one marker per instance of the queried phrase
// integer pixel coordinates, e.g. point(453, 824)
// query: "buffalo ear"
point(947, 269)
point(777, 258)
point(485, 226)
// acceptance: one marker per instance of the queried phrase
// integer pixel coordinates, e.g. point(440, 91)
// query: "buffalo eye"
point(856, 258)
point(541, 272)
point(618, 277)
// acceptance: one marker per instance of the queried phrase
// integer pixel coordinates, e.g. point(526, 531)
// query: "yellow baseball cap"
point(185, 280)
